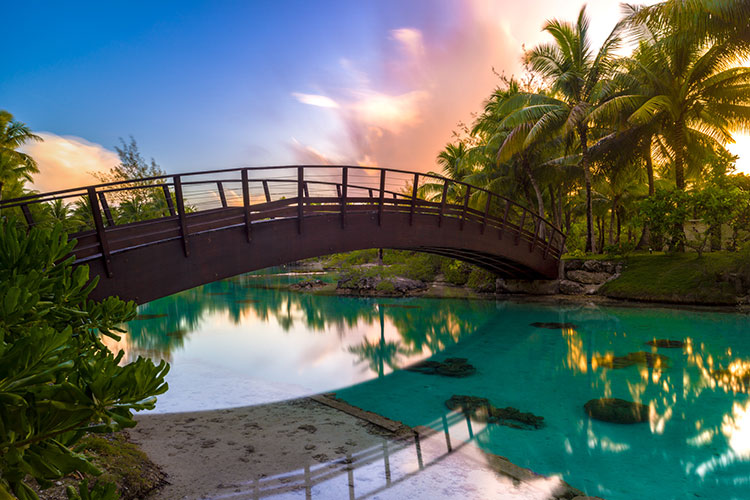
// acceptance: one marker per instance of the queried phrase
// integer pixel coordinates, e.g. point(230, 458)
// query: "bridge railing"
point(108, 217)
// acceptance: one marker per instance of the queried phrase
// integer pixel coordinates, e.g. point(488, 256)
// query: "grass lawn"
point(683, 278)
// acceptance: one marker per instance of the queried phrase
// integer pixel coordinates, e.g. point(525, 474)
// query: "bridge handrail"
point(544, 233)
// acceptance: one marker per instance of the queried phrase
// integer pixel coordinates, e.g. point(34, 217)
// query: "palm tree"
point(15, 165)
point(690, 88)
point(576, 76)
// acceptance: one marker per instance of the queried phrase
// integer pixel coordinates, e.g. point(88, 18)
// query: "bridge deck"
point(222, 223)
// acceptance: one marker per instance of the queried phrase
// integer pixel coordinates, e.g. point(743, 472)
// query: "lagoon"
point(246, 341)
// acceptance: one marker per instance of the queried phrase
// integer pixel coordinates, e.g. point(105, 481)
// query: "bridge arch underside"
point(148, 272)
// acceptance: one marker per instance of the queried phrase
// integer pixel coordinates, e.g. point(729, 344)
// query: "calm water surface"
point(235, 343)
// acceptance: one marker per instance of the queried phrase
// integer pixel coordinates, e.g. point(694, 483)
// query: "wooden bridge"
point(152, 237)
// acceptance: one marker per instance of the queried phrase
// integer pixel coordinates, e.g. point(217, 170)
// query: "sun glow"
point(741, 148)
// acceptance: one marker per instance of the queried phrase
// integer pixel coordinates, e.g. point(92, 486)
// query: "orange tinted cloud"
point(428, 83)
point(67, 162)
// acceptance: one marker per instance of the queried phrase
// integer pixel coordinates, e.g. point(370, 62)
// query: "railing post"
point(105, 208)
point(168, 197)
point(305, 189)
point(266, 191)
point(27, 215)
point(382, 196)
point(549, 244)
point(222, 196)
point(300, 196)
point(414, 198)
point(505, 220)
point(466, 205)
point(520, 226)
point(338, 190)
point(537, 221)
point(344, 191)
point(442, 202)
point(181, 213)
point(100, 234)
point(486, 212)
point(246, 204)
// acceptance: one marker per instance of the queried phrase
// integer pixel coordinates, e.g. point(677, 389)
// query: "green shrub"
point(57, 380)
point(385, 286)
point(481, 280)
point(456, 272)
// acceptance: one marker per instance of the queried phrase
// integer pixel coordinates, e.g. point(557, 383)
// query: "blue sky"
point(205, 85)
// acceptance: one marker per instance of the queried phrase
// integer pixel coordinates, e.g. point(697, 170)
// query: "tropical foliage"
point(597, 133)
point(57, 379)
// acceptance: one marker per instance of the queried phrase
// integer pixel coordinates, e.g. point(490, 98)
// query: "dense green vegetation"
point(593, 140)
point(58, 381)
point(412, 265)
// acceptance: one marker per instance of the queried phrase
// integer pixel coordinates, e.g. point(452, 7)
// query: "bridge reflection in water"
point(149, 238)
point(393, 467)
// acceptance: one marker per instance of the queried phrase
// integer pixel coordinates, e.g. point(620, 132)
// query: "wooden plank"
point(344, 189)
point(27, 215)
point(246, 205)
point(222, 196)
point(520, 226)
point(382, 196)
point(300, 196)
point(466, 205)
point(100, 234)
point(486, 212)
point(168, 198)
point(443, 198)
point(413, 198)
point(105, 207)
point(181, 214)
point(505, 220)
point(266, 191)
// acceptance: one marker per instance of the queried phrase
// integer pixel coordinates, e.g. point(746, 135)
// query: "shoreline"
point(462, 292)
point(319, 445)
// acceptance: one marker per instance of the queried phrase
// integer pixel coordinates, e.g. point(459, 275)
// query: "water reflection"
point(696, 441)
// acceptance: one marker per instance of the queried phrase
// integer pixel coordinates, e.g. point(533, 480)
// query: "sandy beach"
point(321, 448)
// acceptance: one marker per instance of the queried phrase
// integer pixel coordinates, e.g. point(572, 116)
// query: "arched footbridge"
point(152, 237)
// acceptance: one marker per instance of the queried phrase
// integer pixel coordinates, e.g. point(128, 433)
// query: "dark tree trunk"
point(645, 241)
point(583, 137)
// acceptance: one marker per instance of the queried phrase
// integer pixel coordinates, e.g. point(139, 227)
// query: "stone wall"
point(579, 277)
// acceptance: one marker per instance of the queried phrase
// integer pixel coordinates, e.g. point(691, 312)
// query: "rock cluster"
point(554, 326)
point(307, 284)
point(481, 410)
point(666, 343)
point(617, 411)
point(379, 286)
point(451, 367)
point(633, 358)
point(579, 277)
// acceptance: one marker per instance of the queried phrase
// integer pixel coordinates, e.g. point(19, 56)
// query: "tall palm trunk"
point(680, 155)
point(583, 137)
point(537, 193)
point(645, 241)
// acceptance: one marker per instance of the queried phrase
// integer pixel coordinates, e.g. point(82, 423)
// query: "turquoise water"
point(695, 445)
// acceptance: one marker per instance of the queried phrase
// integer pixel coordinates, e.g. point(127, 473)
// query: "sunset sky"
point(205, 85)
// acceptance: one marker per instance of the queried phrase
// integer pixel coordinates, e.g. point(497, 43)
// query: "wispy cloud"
point(68, 161)
point(402, 113)
point(315, 100)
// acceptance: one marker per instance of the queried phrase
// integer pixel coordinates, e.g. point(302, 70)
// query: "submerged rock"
point(149, 316)
point(451, 367)
point(666, 343)
point(554, 326)
point(617, 411)
point(481, 410)
point(642, 358)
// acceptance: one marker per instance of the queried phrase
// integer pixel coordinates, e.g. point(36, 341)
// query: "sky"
point(220, 84)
